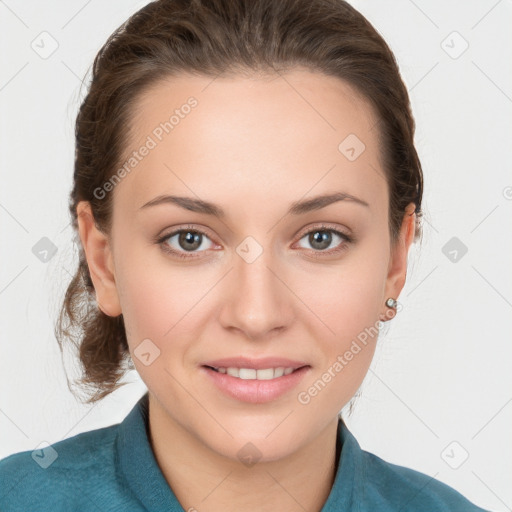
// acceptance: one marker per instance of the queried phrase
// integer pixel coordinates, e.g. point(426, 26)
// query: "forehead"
point(267, 137)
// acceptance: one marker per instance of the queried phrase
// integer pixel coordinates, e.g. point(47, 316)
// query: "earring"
point(391, 303)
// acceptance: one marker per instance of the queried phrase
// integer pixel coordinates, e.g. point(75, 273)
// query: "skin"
point(253, 146)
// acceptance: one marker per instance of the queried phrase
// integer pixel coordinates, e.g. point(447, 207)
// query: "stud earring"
point(391, 303)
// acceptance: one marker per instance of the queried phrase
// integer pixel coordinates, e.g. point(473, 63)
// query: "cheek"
point(151, 302)
point(348, 312)
point(347, 298)
point(162, 303)
point(345, 328)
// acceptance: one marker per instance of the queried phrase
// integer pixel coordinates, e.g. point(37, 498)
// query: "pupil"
point(324, 239)
point(189, 237)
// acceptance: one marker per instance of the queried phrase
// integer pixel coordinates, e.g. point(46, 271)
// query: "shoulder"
point(67, 475)
point(405, 488)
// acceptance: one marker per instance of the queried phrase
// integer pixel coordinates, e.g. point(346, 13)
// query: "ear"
point(99, 259)
point(397, 269)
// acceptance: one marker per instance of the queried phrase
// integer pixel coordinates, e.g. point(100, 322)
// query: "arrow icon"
point(147, 352)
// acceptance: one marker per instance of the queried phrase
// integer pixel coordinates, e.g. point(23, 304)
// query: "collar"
point(139, 467)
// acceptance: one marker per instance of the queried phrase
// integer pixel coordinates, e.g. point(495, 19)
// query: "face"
point(264, 279)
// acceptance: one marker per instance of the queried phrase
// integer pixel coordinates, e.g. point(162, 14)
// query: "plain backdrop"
point(438, 395)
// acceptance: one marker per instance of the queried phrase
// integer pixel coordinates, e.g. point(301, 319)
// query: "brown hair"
point(210, 37)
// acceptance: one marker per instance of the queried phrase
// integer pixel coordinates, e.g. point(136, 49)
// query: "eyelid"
point(326, 226)
point(188, 227)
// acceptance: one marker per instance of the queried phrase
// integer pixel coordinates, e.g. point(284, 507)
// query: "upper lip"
point(256, 364)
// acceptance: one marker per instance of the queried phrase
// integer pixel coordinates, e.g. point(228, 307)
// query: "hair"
point(209, 38)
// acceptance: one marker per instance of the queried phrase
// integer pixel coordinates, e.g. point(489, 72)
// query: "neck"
point(204, 480)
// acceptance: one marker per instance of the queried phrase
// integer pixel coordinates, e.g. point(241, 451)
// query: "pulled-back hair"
point(212, 37)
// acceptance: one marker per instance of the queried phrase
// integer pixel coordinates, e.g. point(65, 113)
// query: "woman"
point(246, 190)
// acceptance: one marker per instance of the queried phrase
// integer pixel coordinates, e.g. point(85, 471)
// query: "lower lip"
point(255, 391)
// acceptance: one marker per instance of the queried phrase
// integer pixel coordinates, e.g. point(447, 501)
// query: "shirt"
point(114, 469)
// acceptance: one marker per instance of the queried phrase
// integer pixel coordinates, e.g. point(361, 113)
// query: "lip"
point(256, 364)
point(252, 390)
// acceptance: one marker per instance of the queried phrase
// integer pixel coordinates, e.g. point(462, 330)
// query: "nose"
point(256, 300)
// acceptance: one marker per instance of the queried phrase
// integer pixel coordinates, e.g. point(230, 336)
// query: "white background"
point(442, 368)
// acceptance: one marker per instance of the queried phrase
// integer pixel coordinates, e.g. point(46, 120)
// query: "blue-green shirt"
point(114, 469)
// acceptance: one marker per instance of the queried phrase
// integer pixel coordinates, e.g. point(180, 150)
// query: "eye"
point(185, 240)
point(322, 237)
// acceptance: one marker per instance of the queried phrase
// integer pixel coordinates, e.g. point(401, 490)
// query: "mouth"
point(255, 386)
point(256, 374)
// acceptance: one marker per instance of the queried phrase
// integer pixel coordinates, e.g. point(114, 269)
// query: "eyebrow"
point(296, 208)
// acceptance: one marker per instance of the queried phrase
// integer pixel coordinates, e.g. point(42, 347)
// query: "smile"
point(252, 374)
point(255, 385)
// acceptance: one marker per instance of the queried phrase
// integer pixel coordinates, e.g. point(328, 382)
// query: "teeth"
point(279, 372)
point(251, 374)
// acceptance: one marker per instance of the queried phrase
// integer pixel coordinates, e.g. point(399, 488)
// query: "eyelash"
point(317, 253)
